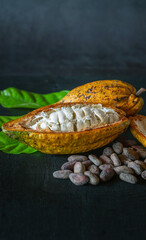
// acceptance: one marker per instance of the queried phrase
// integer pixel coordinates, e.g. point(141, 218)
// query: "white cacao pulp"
point(77, 118)
point(141, 126)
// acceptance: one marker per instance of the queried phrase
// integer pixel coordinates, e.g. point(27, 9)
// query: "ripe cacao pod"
point(113, 93)
point(68, 128)
point(138, 128)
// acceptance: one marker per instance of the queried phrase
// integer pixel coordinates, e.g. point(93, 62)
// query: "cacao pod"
point(114, 93)
point(138, 128)
point(68, 128)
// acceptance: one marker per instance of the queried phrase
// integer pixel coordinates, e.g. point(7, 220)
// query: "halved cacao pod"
point(113, 93)
point(68, 128)
point(138, 128)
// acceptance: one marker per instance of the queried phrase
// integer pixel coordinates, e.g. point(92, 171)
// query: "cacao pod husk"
point(51, 142)
point(113, 93)
point(138, 128)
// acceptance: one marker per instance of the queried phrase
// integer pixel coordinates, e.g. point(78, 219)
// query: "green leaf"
point(9, 145)
point(12, 146)
point(4, 119)
point(16, 98)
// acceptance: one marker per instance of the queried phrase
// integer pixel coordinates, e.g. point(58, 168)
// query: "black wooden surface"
point(47, 46)
point(37, 36)
point(34, 205)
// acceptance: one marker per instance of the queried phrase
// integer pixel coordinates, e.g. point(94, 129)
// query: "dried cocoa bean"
point(137, 147)
point(107, 151)
point(79, 167)
point(107, 174)
point(145, 161)
point(128, 142)
point(115, 159)
point(62, 174)
point(78, 179)
point(141, 150)
point(128, 178)
point(93, 169)
point(124, 160)
point(105, 159)
point(131, 153)
point(68, 165)
point(78, 158)
point(93, 179)
point(143, 175)
point(142, 153)
point(123, 169)
point(118, 147)
point(141, 163)
point(94, 159)
point(87, 163)
point(105, 166)
point(137, 168)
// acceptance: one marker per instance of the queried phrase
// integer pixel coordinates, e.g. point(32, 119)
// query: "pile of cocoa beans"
point(124, 158)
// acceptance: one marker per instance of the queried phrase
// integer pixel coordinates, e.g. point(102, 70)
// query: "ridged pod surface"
point(51, 142)
point(114, 93)
point(139, 134)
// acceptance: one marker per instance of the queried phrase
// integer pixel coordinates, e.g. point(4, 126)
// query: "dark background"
point(50, 45)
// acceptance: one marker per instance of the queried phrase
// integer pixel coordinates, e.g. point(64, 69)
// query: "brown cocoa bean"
point(128, 142)
point(105, 166)
point(93, 179)
point(94, 169)
point(137, 168)
point(105, 159)
point(78, 179)
point(128, 178)
point(137, 147)
point(94, 159)
point(145, 161)
point(118, 147)
point(130, 153)
point(141, 150)
point(87, 163)
point(68, 165)
point(115, 159)
point(123, 169)
point(62, 174)
point(79, 167)
point(108, 151)
point(142, 153)
point(141, 163)
point(143, 175)
point(107, 174)
point(124, 160)
point(78, 158)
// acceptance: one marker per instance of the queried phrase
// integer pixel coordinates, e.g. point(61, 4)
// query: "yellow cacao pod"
point(138, 128)
point(114, 93)
point(68, 128)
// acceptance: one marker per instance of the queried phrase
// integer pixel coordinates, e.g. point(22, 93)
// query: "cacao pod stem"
point(140, 91)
